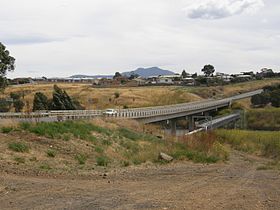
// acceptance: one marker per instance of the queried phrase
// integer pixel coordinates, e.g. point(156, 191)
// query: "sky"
point(65, 37)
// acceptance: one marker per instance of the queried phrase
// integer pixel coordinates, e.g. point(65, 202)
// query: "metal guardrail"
point(135, 113)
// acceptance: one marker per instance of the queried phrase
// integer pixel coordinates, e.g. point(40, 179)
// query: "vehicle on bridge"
point(110, 112)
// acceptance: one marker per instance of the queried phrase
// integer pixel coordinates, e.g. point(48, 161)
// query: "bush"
point(18, 147)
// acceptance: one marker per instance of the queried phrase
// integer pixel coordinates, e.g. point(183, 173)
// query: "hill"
point(147, 72)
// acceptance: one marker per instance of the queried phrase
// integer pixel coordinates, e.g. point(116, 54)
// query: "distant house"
point(140, 81)
point(188, 81)
point(224, 77)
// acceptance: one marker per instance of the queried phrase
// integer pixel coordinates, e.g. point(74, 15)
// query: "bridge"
point(144, 115)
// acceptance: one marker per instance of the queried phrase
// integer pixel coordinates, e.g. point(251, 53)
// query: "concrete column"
point(173, 126)
point(191, 123)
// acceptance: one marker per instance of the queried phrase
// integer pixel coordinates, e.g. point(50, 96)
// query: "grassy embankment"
point(261, 143)
point(232, 89)
point(102, 98)
point(83, 147)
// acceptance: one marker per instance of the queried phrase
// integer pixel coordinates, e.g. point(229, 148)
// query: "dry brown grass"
point(229, 90)
point(101, 98)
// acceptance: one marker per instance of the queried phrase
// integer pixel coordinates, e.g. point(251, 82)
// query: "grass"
point(265, 143)
point(45, 167)
point(64, 130)
point(19, 159)
point(110, 144)
point(102, 161)
point(7, 129)
point(264, 119)
point(18, 147)
point(51, 153)
point(81, 158)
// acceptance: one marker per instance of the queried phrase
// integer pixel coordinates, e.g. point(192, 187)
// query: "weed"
point(107, 142)
point(19, 159)
point(18, 147)
point(7, 129)
point(45, 166)
point(125, 163)
point(33, 159)
point(81, 158)
point(265, 142)
point(66, 136)
point(99, 149)
point(102, 161)
point(51, 153)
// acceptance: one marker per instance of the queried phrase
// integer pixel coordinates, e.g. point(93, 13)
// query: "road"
point(233, 185)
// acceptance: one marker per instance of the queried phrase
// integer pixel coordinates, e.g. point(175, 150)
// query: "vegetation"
point(208, 70)
point(7, 129)
point(40, 102)
point(81, 158)
point(7, 63)
point(271, 95)
point(51, 153)
point(263, 119)
point(265, 143)
point(18, 147)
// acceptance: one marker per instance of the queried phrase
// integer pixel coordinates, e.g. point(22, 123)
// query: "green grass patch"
point(18, 147)
point(102, 161)
point(64, 130)
point(7, 129)
point(99, 149)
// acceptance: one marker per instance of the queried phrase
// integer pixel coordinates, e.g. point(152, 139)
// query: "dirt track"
point(234, 185)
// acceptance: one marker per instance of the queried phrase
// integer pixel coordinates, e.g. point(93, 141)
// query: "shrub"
point(18, 147)
point(102, 161)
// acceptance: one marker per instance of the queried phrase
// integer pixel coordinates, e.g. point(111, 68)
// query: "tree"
point(40, 101)
point(7, 63)
point(260, 99)
point(208, 70)
point(275, 98)
point(117, 75)
point(17, 101)
point(61, 100)
point(184, 74)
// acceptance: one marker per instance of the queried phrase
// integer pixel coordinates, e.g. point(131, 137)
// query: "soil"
point(236, 184)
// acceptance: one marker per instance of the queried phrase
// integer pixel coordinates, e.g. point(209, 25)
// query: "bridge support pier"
point(173, 127)
point(191, 123)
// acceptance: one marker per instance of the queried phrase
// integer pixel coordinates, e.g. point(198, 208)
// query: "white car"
point(110, 112)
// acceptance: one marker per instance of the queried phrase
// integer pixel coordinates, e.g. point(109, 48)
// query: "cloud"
point(217, 9)
point(28, 39)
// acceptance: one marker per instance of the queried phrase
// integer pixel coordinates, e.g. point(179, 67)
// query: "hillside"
point(147, 72)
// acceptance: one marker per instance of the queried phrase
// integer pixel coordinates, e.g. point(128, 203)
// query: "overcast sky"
point(66, 37)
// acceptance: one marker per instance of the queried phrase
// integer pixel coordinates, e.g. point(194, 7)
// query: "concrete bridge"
point(145, 115)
